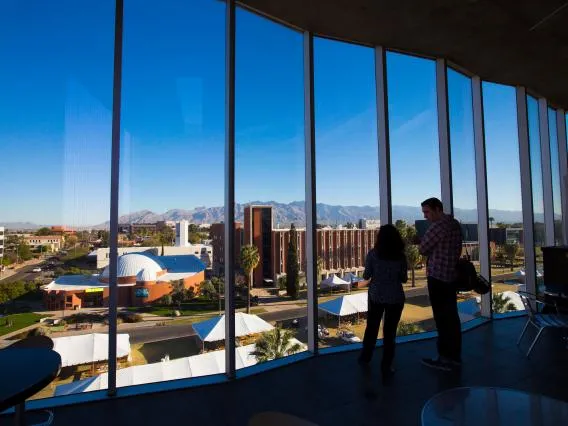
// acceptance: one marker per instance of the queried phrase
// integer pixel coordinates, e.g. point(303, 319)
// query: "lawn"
point(19, 321)
point(194, 308)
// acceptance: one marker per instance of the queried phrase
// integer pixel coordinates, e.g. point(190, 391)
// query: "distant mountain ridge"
point(287, 213)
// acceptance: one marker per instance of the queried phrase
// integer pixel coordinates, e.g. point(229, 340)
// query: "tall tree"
point(320, 267)
point(491, 220)
point(249, 261)
point(511, 251)
point(273, 344)
point(292, 269)
point(413, 258)
point(178, 292)
point(165, 237)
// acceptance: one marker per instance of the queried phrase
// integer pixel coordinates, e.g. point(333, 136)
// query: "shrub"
point(406, 328)
point(282, 282)
point(129, 317)
point(39, 331)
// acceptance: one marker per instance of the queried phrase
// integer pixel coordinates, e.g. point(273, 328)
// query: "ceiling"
point(516, 42)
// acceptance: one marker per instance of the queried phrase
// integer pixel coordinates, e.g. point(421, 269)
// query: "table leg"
point(20, 414)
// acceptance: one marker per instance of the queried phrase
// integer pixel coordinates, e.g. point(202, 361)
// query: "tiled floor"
point(332, 390)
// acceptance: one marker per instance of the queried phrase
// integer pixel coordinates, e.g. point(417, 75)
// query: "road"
point(24, 273)
point(157, 333)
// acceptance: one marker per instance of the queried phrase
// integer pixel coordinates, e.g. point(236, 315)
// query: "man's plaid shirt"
point(442, 243)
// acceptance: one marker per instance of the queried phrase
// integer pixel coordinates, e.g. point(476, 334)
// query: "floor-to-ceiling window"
point(464, 191)
point(537, 181)
point(415, 168)
point(55, 130)
point(347, 184)
point(503, 195)
point(269, 189)
point(556, 178)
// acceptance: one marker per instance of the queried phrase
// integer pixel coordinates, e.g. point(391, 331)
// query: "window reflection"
point(55, 127)
point(347, 185)
point(506, 234)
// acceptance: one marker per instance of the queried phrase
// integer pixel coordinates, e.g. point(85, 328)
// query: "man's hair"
point(433, 203)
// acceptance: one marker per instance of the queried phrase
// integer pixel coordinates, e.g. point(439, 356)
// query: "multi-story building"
point(54, 242)
point(217, 233)
point(369, 223)
point(258, 232)
point(340, 250)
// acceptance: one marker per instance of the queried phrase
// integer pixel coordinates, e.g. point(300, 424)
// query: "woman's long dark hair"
point(389, 244)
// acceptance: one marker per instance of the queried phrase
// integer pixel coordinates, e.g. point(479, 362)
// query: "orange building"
point(142, 279)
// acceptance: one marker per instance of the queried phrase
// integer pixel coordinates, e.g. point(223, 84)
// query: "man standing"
point(442, 244)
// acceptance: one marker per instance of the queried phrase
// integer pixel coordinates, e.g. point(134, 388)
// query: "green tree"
point(103, 236)
point(274, 344)
point(207, 289)
point(350, 225)
point(292, 268)
point(42, 232)
point(413, 257)
point(502, 303)
point(491, 220)
point(178, 292)
point(249, 261)
point(24, 252)
point(511, 251)
point(71, 241)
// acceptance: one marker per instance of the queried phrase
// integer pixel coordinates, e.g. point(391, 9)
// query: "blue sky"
point(56, 101)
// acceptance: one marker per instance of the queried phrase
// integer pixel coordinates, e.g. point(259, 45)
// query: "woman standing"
point(385, 271)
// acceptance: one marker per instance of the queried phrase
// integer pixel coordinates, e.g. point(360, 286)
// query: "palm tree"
point(502, 303)
point(165, 236)
point(249, 261)
point(491, 220)
point(320, 267)
point(274, 344)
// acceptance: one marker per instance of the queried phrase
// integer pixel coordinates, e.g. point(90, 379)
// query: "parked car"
point(348, 336)
point(37, 269)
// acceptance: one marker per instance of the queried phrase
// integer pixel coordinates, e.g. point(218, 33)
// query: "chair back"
point(527, 298)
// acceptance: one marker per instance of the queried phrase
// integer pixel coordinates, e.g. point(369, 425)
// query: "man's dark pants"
point(443, 298)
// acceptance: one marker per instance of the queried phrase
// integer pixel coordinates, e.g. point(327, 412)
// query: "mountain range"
point(293, 212)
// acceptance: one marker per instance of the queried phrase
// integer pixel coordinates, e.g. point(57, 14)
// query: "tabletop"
point(489, 406)
point(24, 372)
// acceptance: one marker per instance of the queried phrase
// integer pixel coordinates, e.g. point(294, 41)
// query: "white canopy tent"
point(350, 277)
point(89, 348)
point(213, 330)
point(182, 368)
point(349, 304)
point(333, 281)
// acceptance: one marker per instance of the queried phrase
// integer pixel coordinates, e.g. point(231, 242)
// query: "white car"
point(349, 337)
point(38, 269)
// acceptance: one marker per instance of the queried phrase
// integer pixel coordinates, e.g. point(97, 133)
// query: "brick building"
point(341, 250)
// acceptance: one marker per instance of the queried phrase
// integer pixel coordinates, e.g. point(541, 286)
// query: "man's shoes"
point(439, 364)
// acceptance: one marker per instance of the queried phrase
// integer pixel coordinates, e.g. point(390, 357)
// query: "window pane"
point(463, 177)
point(415, 165)
point(536, 179)
point(556, 178)
point(55, 127)
point(269, 187)
point(504, 195)
point(171, 178)
point(347, 182)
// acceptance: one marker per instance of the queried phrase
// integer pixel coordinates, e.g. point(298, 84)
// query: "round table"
point(23, 373)
point(490, 406)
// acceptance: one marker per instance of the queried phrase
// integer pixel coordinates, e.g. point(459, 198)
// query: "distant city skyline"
point(55, 121)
